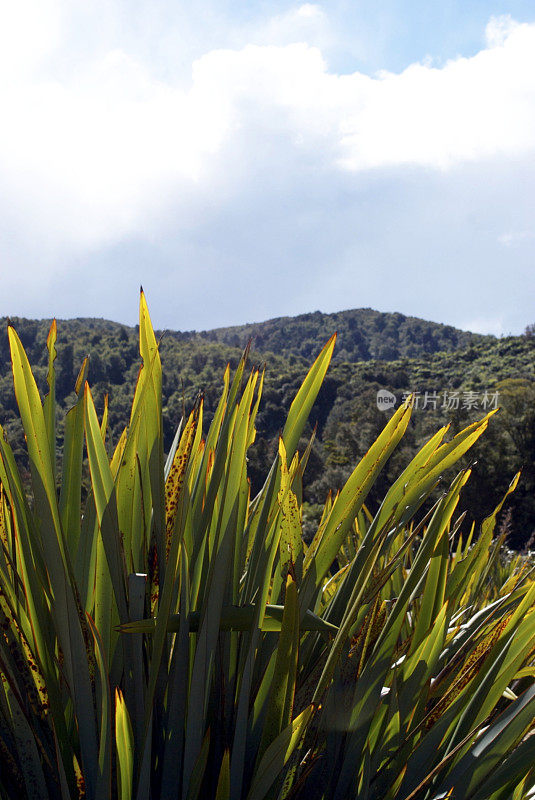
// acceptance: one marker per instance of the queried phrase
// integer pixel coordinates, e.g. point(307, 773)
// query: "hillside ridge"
point(363, 334)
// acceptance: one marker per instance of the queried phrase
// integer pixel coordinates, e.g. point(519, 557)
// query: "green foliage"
point(172, 636)
point(364, 334)
point(506, 366)
point(430, 357)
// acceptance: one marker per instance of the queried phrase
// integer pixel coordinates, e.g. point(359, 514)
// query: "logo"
point(385, 399)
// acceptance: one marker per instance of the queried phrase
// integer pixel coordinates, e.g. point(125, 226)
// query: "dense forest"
point(457, 376)
point(363, 334)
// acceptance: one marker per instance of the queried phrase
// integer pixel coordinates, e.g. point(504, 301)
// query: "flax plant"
point(174, 637)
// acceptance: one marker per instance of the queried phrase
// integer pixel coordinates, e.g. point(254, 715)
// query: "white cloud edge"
point(485, 325)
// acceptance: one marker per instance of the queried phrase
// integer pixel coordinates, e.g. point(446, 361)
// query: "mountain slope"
point(346, 410)
point(363, 334)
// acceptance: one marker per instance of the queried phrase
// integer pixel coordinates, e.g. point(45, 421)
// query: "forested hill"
point(409, 354)
point(363, 334)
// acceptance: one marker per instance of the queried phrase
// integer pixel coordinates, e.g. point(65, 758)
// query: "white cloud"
point(92, 153)
point(499, 29)
point(513, 238)
point(29, 32)
point(305, 23)
point(88, 157)
point(98, 147)
point(472, 108)
point(493, 325)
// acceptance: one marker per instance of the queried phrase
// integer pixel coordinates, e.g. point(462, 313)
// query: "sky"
point(248, 160)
